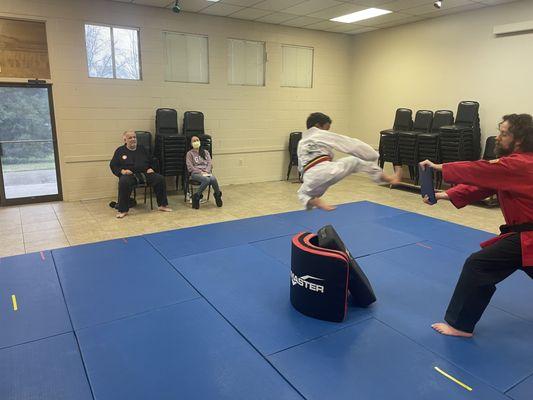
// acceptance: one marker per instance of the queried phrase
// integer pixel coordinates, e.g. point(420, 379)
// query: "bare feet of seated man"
point(445, 329)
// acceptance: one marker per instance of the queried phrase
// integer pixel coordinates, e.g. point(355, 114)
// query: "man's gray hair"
point(128, 131)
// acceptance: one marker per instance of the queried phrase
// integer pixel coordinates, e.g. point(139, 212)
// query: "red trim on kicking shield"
point(317, 250)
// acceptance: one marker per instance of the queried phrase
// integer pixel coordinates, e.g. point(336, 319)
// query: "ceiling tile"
point(383, 19)
point(371, 3)
point(242, 3)
point(193, 5)
point(494, 2)
point(275, 18)
point(311, 6)
point(399, 5)
point(408, 20)
point(361, 29)
point(442, 12)
point(429, 9)
point(249, 13)
point(221, 9)
point(277, 5)
point(301, 21)
point(154, 3)
point(336, 11)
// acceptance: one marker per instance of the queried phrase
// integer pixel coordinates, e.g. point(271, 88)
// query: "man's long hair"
point(521, 126)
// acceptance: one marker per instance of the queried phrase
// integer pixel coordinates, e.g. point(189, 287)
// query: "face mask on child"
point(196, 145)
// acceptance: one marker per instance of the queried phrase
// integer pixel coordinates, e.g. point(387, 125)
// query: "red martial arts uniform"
point(511, 178)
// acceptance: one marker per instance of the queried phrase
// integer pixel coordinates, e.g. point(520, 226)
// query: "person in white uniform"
point(315, 161)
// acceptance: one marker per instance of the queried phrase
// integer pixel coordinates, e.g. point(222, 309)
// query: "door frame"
point(45, 198)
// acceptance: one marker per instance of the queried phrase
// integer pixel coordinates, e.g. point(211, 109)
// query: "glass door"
point(29, 168)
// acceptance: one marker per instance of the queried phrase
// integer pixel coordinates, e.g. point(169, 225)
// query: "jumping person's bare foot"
point(121, 215)
point(164, 208)
point(395, 178)
point(319, 203)
point(448, 330)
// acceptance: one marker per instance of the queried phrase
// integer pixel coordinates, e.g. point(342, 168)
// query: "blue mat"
point(41, 310)
point(109, 280)
point(251, 290)
point(523, 391)
point(200, 239)
point(451, 235)
point(515, 295)
point(198, 313)
point(345, 214)
point(277, 248)
point(410, 301)
point(185, 351)
point(371, 361)
point(361, 239)
point(45, 369)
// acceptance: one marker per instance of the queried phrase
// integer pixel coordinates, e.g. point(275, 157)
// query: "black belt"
point(528, 226)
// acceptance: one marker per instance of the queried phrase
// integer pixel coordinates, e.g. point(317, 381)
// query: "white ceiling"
point(315, 14)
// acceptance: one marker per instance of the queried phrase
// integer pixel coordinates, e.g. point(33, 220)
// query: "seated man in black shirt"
point(131, 164)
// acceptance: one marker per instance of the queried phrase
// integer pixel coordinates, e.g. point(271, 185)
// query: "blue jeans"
point(205, 181)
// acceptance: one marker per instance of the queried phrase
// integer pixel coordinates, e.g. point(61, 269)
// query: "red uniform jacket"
point(511, 177)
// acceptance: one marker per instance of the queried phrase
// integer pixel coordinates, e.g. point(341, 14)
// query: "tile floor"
point(30, 228)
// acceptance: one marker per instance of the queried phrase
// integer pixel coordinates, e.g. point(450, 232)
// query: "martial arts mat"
point(49, 368)
point(114, 279)
point(185, 351)
point(204, 313)
point(31, 303)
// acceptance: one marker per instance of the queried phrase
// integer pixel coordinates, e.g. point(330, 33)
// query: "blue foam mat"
point(50, 368)
point(185, 351)
point(200, 239)
point(410, 301)
point(515, 295)
point(361, 239)
point(251, 290)
point(344, 214)
point(371, 361)
point(41, 310)
point(109, 280)
point(522, 391)
point(446, 233)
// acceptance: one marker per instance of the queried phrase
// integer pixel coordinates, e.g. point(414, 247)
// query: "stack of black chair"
point(388, 140)
point(461, 141)
point(170, 146)
point(408, 141)
point(294, 139)
point(429, 143)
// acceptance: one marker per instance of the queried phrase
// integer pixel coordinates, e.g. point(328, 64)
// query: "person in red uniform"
point(510, 177)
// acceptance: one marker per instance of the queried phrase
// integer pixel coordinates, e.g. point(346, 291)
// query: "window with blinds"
point(187, 58)
point(246, 62)
point(297, 66)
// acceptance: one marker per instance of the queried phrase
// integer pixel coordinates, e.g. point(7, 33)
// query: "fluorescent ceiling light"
point(361, 15)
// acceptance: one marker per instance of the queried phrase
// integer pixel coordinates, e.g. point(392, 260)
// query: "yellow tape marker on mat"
point(14, 300)
point(440, 371)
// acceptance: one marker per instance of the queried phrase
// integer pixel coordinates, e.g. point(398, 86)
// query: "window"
point(297, 66)
point(112, 52)
point(246, 62)
point(186, 58)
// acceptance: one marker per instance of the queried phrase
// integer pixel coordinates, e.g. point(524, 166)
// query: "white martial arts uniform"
point(317, 179)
